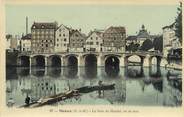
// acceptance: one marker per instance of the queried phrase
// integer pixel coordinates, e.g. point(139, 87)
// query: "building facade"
point(143, 35)
point(170, 41)
point(131, 39)
point(26, 43)
point(94, 42)
point(62, 39)
point(77, 41)
point(8, 41)
point(15, 42)
point(43, 37)
point(114, 39)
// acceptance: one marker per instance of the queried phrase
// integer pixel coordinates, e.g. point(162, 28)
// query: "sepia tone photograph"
point(60, 55)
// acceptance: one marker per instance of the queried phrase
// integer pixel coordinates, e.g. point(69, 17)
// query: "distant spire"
point(143, 27)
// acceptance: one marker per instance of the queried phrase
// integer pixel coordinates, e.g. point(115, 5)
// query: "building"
point(114, 39)
point(94, 42)
point(8, 41)
point(168, 36)
point(26, 43)
point(13, 42)
point(62, 39)
point(131, 39)
point(77, 41)
point(170, 41)
point(143, 35)
point(43, 37)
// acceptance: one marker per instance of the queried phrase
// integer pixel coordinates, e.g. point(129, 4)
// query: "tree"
point(158, 43)
point(8, 36)
point(178, 23)
point(132, 47)
point(147, 44)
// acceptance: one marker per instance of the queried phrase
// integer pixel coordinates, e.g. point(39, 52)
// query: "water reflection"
point(53, 81)
point(112, 71)
point(91, 72)
point(155, 72)
point(54, 71)
point(70, 72)
point(23, 71)
point(38, 71)
point(134, 72)
point(174, 79)
point(158, 85)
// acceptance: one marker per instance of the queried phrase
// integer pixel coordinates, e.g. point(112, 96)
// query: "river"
point(134, 85)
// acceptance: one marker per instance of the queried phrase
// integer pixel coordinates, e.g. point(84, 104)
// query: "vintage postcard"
point(91, 57)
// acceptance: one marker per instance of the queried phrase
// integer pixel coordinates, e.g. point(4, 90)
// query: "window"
point(64, 44)
point(91, 38)
point(42, 44)
point(60, 35)
point(96, 43)
point(46, 45)
point(76, 35)
point(59, 30)
point(63, 35)
point(57, 44)
point(96, 38)
point(50, 40)
point(46, 40)
point(64, 39)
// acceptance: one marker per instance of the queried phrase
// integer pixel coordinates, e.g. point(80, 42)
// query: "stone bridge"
point(88, 59)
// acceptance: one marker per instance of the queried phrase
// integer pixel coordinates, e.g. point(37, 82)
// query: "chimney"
point(26, 25)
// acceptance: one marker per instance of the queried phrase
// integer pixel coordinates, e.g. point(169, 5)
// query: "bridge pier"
point(99, 60)
point(80, 59)
point(122, 61)
point(46, 61)
point(146, 61)
point(163, 62)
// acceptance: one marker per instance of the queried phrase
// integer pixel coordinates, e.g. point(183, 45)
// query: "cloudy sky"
point(89, 17)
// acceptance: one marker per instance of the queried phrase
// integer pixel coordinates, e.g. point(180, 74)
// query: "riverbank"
point(11, 58)
point(174, 66)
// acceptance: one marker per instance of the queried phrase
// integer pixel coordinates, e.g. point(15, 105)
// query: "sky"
point(90, 17)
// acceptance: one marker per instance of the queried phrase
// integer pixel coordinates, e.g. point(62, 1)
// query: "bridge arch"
point(24, 61)
point(72, 61)
point(39, 61)
point(156, 60)
point(112, 64)
point(90, 61)
point(134, 59)
point(54, 61)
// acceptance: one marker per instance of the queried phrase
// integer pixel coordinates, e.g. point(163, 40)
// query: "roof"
point(143, 33)
point(131, 38)
point(170, 26)
point(116, 29)
point(26, 37)
point(65, 27)
point(44, 25)
point(98, 33)
point(76, 31)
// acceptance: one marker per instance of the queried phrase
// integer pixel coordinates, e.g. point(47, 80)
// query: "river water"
point(134, 85)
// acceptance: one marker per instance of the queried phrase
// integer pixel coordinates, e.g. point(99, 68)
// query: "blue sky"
point(89, 17)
